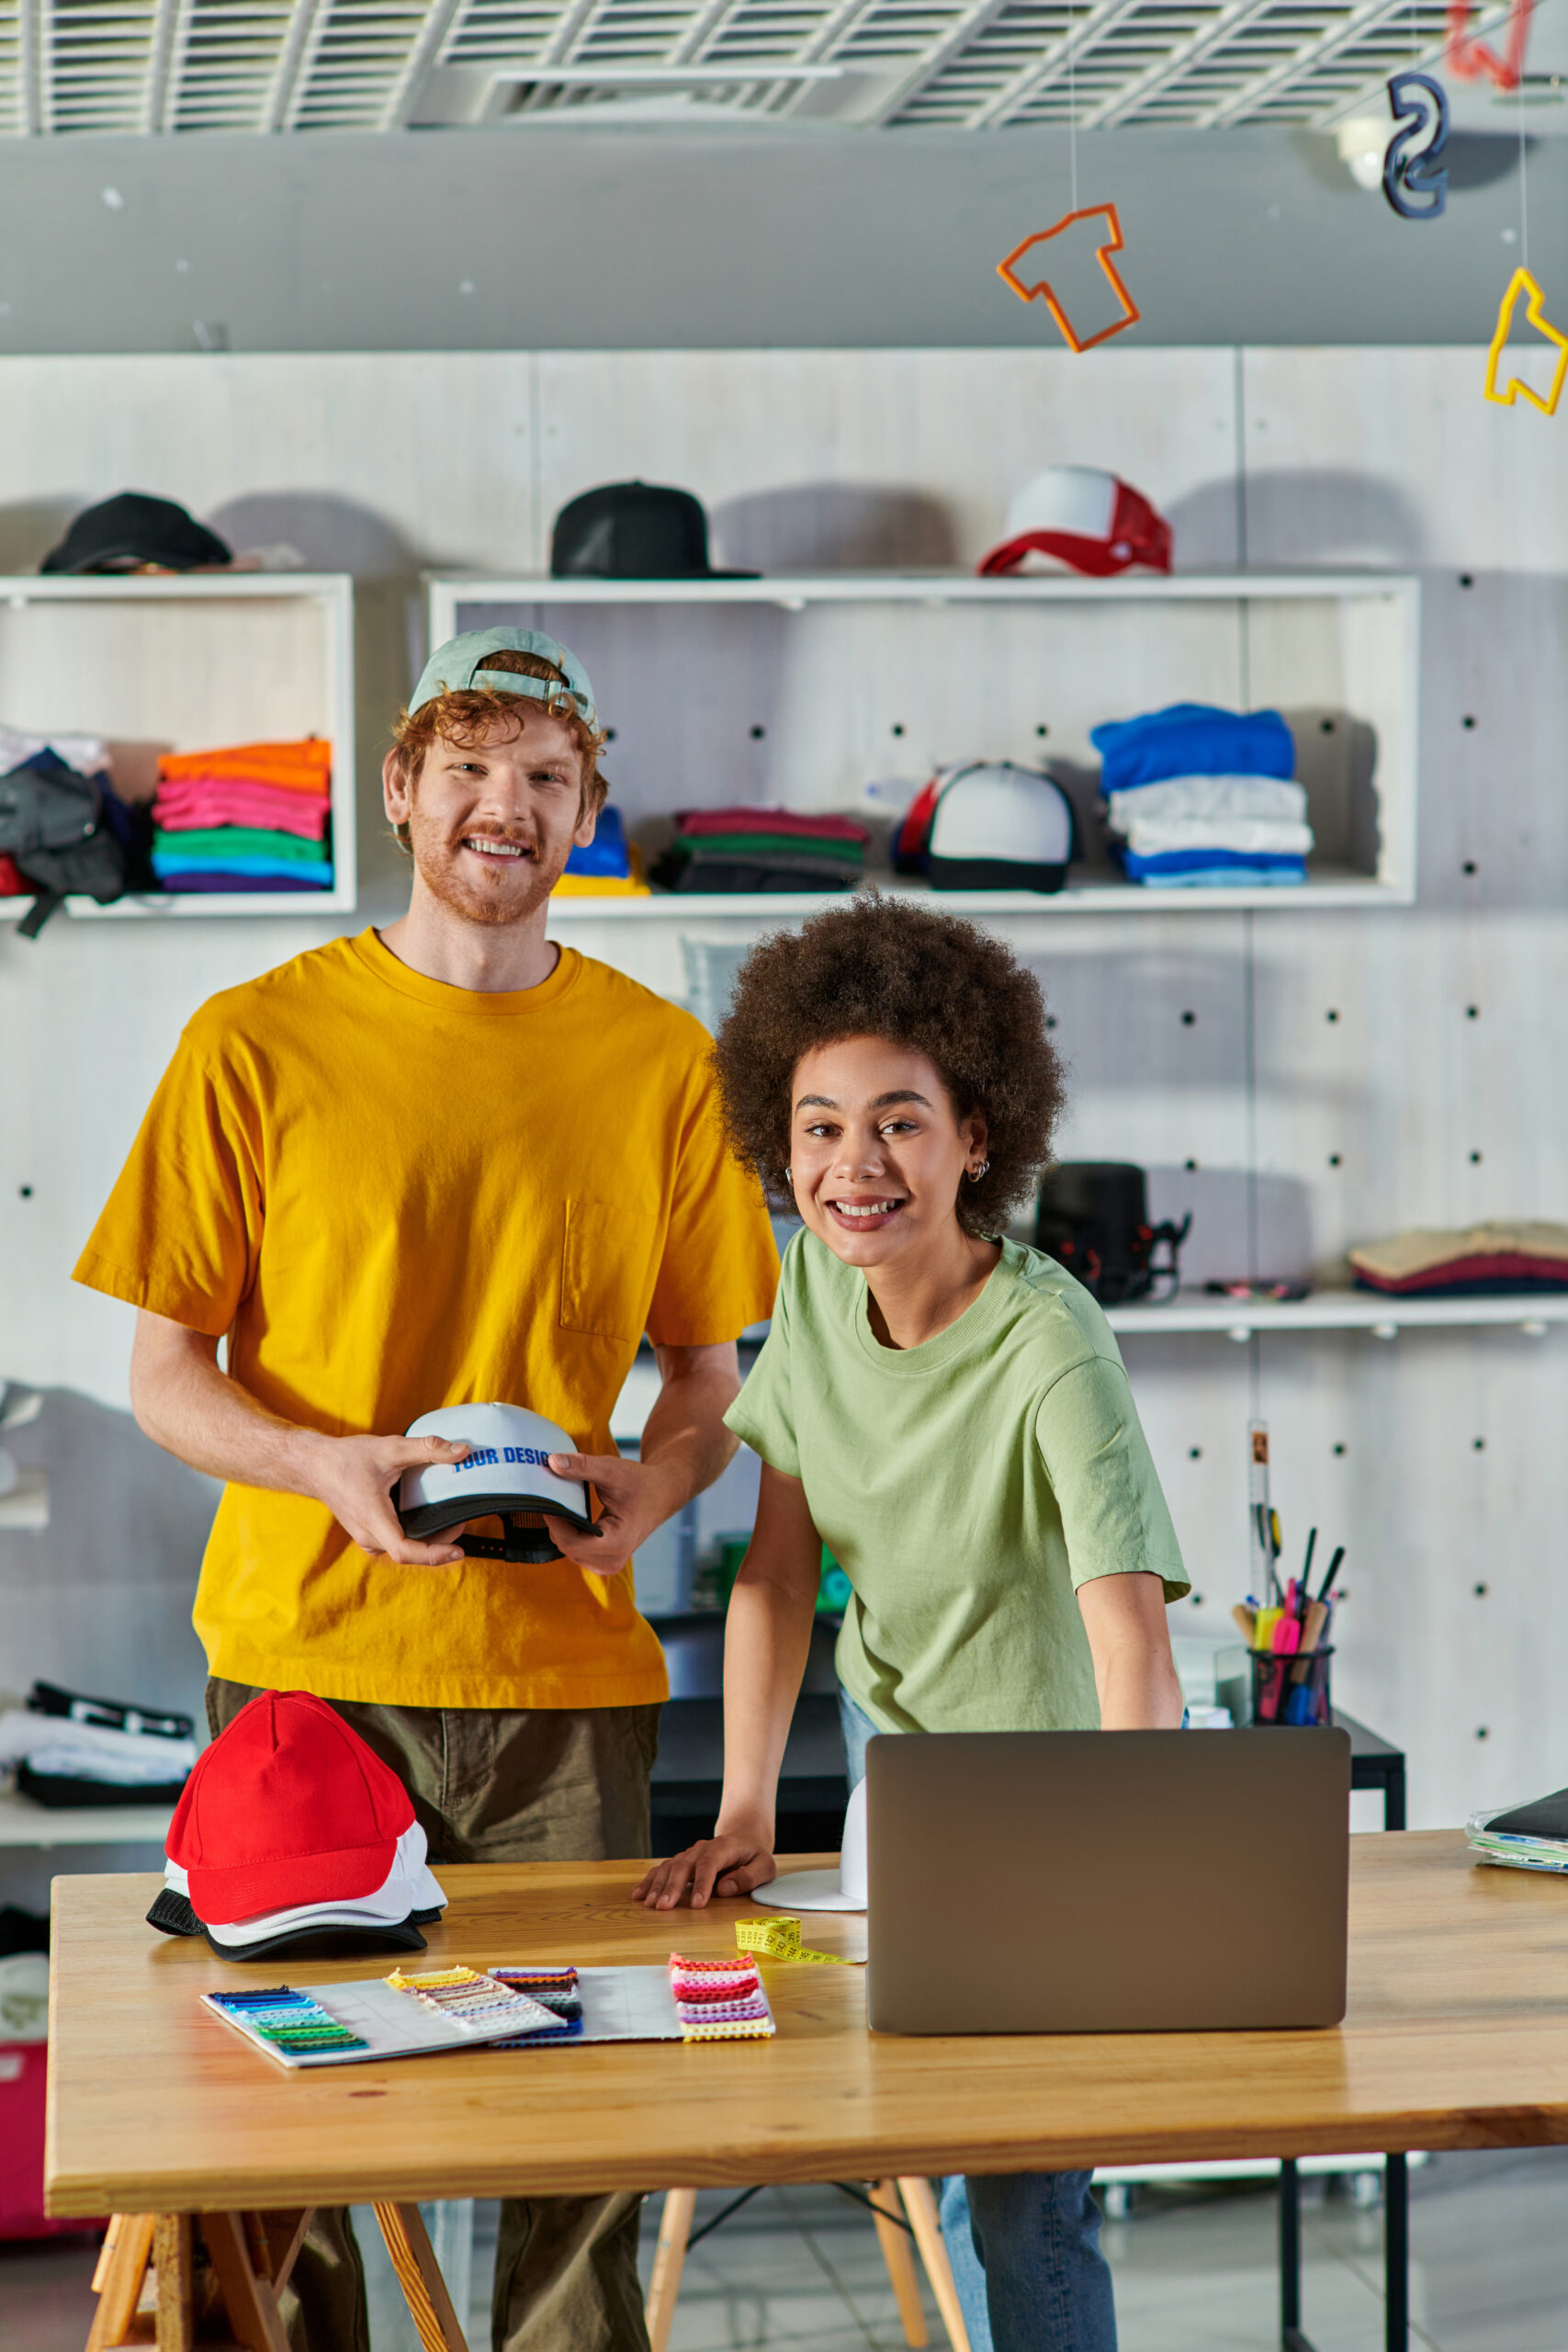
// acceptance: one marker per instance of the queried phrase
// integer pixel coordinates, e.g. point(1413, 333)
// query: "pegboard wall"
point(1308, 1078)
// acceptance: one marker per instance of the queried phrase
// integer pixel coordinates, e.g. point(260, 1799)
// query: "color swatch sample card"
point(513, 2005)
point(333, 2025)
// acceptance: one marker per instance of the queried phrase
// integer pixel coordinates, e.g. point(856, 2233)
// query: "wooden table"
point(1457, 2037)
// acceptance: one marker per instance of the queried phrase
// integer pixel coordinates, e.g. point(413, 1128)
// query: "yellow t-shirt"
point(394, 1195)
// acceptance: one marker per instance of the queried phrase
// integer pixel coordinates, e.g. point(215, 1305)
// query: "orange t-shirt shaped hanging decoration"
point(1042, 287)
point(1471, 59)
point(1523, 283)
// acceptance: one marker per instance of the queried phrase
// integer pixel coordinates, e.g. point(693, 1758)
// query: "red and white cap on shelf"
point(1089, 519)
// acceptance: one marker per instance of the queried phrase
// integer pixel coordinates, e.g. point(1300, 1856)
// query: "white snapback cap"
point(996, 827)
point(504, 1475)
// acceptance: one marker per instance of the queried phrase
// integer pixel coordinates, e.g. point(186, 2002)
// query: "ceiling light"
point(1362, 143)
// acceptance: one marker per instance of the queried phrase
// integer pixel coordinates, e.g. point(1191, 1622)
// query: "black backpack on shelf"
point(1092, 1217)
point(55, 828)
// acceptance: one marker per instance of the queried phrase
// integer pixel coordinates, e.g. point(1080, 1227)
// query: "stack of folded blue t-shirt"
point(1198, 798)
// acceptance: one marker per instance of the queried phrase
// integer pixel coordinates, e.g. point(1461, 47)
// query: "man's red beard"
point(508, 896)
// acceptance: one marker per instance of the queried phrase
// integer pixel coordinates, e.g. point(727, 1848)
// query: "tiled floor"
point(1194, 2272)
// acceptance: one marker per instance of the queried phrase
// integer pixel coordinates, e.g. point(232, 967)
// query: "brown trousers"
point(551, 1785)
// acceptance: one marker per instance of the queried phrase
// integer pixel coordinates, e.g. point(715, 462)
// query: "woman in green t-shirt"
point(947, 1412)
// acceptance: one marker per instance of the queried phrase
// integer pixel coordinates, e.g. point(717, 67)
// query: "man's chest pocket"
point(606, 1279)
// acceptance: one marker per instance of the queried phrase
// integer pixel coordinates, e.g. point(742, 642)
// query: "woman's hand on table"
point(728, 1864)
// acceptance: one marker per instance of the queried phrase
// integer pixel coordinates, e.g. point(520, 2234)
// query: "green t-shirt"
point(966, 1488)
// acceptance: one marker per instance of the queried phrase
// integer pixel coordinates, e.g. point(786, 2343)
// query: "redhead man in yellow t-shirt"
point(444, 1163)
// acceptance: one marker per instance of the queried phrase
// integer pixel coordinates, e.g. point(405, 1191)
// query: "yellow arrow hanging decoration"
point(1523, 283)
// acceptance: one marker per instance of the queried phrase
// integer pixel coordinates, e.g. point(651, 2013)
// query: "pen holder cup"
point(1292, 1690)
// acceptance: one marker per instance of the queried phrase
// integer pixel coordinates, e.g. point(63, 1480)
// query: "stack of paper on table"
point(1523, 1837)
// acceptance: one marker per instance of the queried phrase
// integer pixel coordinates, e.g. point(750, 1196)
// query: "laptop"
point(1136, 1881)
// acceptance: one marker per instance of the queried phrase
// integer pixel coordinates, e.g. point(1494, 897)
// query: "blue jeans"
point(1024, 2246)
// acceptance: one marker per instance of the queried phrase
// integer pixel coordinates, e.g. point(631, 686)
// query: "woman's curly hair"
point(928, 981)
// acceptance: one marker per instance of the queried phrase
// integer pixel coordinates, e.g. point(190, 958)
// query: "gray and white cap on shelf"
point(997, 827)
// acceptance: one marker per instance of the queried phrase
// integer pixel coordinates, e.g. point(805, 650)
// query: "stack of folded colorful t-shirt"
point(1198, 798)
point(610, 867)
point(248, 817)
point(763, 849)
point(1480, 1262)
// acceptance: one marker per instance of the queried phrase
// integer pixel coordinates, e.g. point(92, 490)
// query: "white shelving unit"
point(23, 1822)
point(1193, 1312)
point(800, 689)
point(187, 661)
point(1340, 1310)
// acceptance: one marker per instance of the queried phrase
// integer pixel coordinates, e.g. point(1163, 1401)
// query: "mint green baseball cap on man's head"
point(459, 667)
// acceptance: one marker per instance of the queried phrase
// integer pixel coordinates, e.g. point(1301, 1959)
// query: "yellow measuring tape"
point(779, 1938)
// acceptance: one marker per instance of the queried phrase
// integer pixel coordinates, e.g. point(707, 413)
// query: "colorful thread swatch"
point(554, 1989)
point(538, 1980)
point(719, 2000)
point(295, 2023)
point(779, 1938)
point(467, 1998)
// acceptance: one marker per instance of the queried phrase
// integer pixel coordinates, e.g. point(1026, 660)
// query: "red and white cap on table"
point(288, 1809)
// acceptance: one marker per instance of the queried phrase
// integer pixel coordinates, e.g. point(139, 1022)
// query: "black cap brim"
point(433, 1519)
point(526, 1541)
point(326, 1943)
point(96, 558)
point(172, 1916)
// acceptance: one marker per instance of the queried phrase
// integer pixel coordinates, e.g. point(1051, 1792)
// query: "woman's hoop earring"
point(975, 1174)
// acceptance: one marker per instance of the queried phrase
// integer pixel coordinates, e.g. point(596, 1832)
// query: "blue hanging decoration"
point(1419, 105)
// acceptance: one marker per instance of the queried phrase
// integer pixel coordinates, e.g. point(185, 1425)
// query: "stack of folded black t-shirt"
point(763, 849)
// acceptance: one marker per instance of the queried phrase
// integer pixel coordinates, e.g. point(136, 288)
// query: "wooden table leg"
point(174, 2258)
point(251, 2256)
point(669, 2261)
point(249, 2300)
point(419, 2276)
point(900, 2255)
point(111, 2239)
point(921, 2206)
point(123, 2273)
point(284, 2236)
